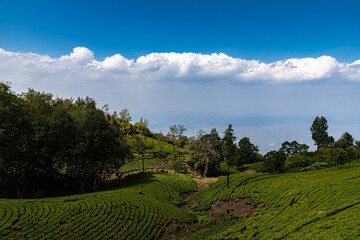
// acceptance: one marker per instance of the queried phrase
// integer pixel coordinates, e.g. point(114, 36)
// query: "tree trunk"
point(82, 185)
point(18, 190)
point(94, 185)
point(23, 190)
point(206, 165)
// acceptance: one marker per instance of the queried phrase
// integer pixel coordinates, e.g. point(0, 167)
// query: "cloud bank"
point(81, 65)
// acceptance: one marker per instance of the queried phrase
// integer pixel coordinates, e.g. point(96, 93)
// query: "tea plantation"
point(322, 204)
point(138, 210)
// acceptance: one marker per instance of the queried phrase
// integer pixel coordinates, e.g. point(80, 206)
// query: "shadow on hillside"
point(132, 180)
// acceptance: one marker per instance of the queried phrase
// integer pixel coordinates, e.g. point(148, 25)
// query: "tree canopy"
point(46, 142)
point(319, 132)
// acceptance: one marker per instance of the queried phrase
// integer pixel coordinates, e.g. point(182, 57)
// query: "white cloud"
point(81, 65)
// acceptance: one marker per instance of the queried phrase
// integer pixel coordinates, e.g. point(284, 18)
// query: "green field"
point(155, 146)
point(151, 161)
point(140, 209)
point(321, 204)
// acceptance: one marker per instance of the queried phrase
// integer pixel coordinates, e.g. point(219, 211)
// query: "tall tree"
point(15, 135)
point(230, 150)
point(46, 141)
point(319, 132)
point(248, 151)
point(349, 140)
point(140, 147)
point(274, 161)
point(204, 153)
point(176, 132)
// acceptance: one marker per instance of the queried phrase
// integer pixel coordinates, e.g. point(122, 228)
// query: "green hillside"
point(322, 204)
point(152, 150)
point(140, 209)
point(154, 146)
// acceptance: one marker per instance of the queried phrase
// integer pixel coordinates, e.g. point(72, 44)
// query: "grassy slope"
point(153, 146)
point(140, 209)
point(320, 204)
point(151, 161)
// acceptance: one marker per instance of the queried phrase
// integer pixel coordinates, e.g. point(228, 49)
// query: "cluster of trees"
point(207, 151)
point(50, 144)
point(339, 152)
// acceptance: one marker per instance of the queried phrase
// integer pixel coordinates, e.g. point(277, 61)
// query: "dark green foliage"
point(340, 154)
point(48, 142)
point(291, 148)
point(337, 156)
point(348, 138)
point(297, 161)
point(274, 161)
point(230, 150)
point(303, 148)
point(175, 135)
point(204, 153)
point(319, 133)
point(248, 151)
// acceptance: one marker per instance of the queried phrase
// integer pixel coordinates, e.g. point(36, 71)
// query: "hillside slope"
point(323, 204)
point(140, 209)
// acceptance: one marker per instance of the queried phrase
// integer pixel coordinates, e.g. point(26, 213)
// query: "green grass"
point(321, 204)
point(233, 169)
point(150, 162)
point(156, 146)
point(140, 209)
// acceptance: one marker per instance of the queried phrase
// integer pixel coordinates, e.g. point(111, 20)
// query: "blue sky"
point(266, 30)
point(191, 61)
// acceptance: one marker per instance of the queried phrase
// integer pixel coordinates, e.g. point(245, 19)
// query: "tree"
point(248, 151)
point(175, 133)
point(290, 148)
point(274, 161)
point(216, 144)
point(319, 132)
point(337, 156)
point(348, 138)
point(204, 153)
point(303, 148)
point(125, 115)
point(141, 127)
point(15, 135)
point(229, 149)
point(125, 119)
point(46, 141)
point(100, 145)
point(140, 147)
point(341, 152)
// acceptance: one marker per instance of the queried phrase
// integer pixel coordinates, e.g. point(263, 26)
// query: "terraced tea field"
point(319, 204)
point(138, 210)
point(322, 204)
